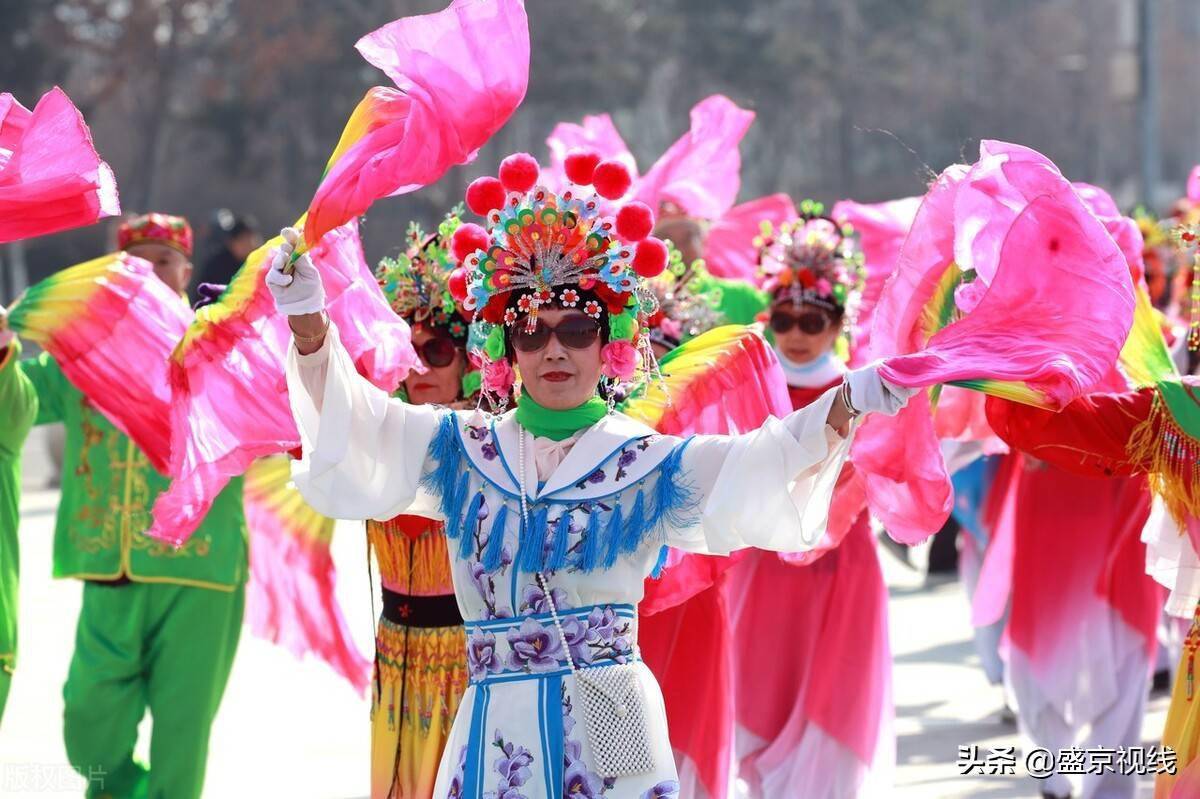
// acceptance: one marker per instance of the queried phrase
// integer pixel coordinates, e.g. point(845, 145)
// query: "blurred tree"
point(200, 104)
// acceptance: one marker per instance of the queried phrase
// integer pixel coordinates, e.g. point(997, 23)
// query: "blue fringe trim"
point(562, 542)
point(467, 525)
point(442, 482)
point(657, 571)
point(671, 503)
point(612, 534)
point(589, 558)
point(495, 542)
point(533, 542)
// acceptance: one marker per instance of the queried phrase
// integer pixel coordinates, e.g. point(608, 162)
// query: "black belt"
point(408, 610)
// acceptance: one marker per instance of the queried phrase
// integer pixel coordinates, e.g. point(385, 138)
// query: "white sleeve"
point(770, 488)
point(363, 451)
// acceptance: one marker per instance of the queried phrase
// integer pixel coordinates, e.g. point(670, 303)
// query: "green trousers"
point(148, 646)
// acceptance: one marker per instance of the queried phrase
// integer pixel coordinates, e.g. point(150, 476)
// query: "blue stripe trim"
point(554, 734)
point(561, 671)
point(599, 464)
point(543, 721)
point(473, 467)
point(504, 462)
point(473, 770)
point(491, 625)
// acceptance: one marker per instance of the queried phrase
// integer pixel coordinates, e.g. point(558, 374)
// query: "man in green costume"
point(19, 402)
point(159, 626)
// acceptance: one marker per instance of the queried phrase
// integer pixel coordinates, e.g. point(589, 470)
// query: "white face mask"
point(817, 372)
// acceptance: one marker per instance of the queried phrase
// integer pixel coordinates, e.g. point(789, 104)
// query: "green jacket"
point(108, 490)
point(18, 406)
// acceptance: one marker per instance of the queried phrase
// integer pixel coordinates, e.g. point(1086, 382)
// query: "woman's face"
point(798, 343)
point(557, 376)
point(440, 385)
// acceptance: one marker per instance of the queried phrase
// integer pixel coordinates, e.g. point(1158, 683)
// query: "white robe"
point(518, 733)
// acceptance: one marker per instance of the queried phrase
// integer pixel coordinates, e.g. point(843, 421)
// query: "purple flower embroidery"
point(667, 789)
point(513, 767)
point(602, 625)
point(456, 781)
point(481, 654)
point(489, 451)
point(533, 599)
point(579, 783)
point(575, 631)
point(596, 477)
point(534, 647)
point(477, 432)
point(627, 457)
point(486, 585)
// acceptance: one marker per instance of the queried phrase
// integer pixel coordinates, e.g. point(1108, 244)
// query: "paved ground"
point(294, 729)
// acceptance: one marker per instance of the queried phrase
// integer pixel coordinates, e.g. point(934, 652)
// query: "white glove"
point(300, 292)
point(870, 393)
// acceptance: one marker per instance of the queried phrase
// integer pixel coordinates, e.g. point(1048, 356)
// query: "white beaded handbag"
point(614, 710)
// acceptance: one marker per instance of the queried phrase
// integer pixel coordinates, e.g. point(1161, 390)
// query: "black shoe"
point(1161, 682)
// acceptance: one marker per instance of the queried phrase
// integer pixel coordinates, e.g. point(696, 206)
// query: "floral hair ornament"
point(684, 311)
point(540, 248)
point(417, 282)
point(813, 260)
point(1187, 238)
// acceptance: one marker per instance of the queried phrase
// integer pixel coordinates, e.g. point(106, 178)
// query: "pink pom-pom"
point(634, 222)
point(611, 179)
point(457, 283)
point(519, 172)
point(484, 195)
point(651, 257)
point(466, 240)
point(580, 165)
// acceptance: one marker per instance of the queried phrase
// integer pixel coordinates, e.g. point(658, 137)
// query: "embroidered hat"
point(172, 231)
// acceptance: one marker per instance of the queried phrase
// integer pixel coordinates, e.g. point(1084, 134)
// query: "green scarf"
point(557, 425)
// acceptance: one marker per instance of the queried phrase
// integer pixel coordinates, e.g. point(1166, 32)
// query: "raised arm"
point(772, 488)
point(363, 452)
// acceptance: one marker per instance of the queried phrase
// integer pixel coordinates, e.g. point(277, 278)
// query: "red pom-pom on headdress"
point(635, 221)
point(611, 180)
point(580, 165)
point(485, 195)
point(651, 257)
point(466, 240)
point(457, 283)
point(519, 172)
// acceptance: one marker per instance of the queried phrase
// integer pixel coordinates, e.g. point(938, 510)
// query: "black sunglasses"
point(575, 332)
point(810, 322)
point(437, 352)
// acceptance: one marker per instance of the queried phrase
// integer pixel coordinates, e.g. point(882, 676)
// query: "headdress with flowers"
point(684, 310)
point(813, 260)
point(541, 248)
point(416, 282)
point(1186, 237)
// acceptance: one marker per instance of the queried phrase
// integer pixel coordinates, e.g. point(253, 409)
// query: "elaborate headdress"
point(684, 310)
point(1187, 238)
point(171, 231)
point(540, 248)
point(417, 282)
point(812, 260)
